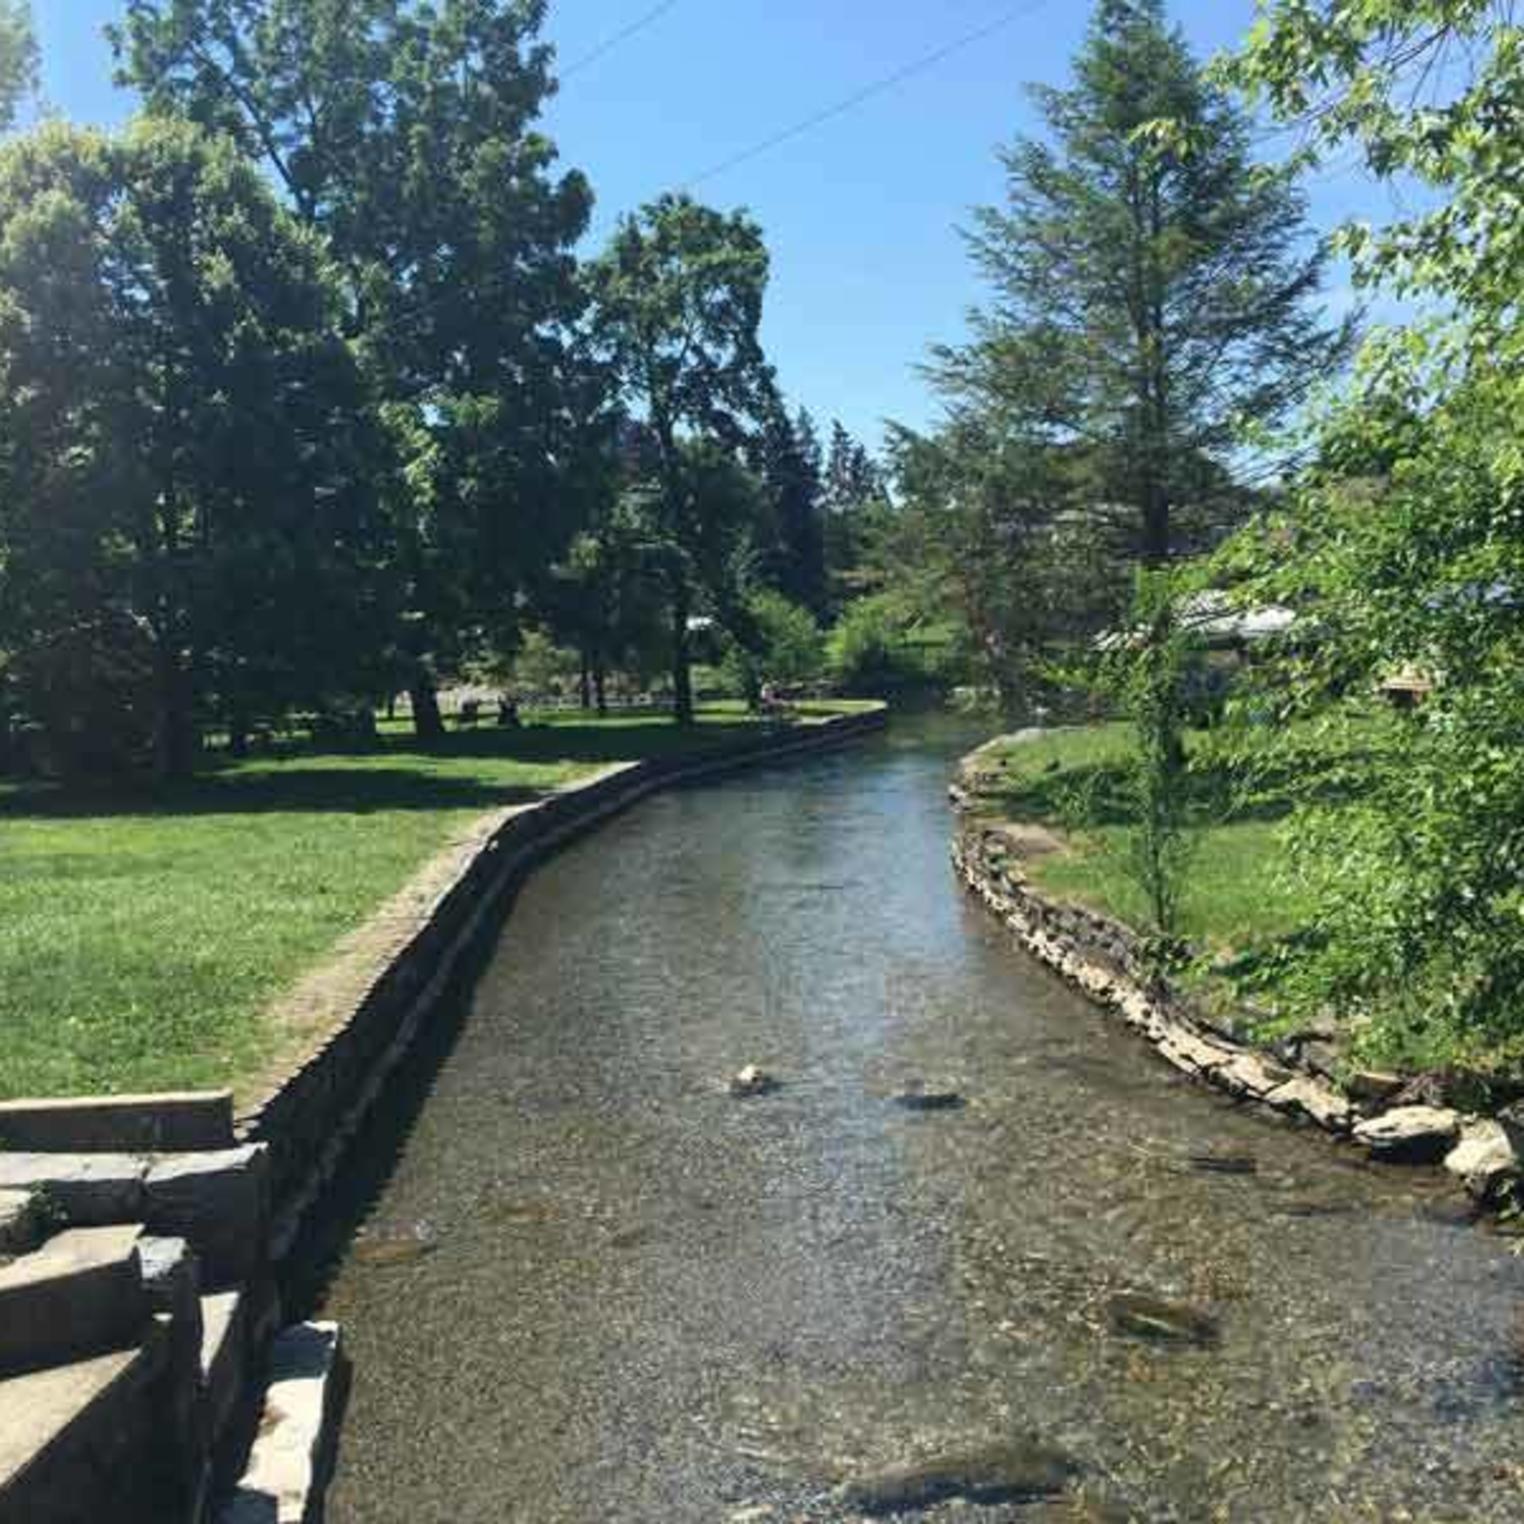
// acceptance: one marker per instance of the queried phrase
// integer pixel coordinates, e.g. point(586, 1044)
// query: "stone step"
point(120, 1124)
point(80, 1294)
point(85, 1189)
point(220, 1203)
point(78, 1442)
point(292, 1458)
point(218, 1200)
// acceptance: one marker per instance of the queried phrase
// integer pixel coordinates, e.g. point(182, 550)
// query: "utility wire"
point(622, 35)
point(868, 92)
point(882, 86)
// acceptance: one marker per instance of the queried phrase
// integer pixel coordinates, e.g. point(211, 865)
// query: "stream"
point(592, 1287)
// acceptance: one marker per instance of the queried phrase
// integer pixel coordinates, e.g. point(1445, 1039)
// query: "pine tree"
point(1155, 291)
point(791, 468)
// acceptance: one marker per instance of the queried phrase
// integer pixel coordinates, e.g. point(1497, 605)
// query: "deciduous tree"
point(677, 307)
point(185, 437)
point(406, 131)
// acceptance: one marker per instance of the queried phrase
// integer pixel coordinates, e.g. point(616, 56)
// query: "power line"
point(868, 92)
point(622, 35)
point(848, 103)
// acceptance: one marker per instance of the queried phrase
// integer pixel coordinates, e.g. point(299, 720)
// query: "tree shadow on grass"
point(1103, 795)
point(331, 790)
point(393, 774)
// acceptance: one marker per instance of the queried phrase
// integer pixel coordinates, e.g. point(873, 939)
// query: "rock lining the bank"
point(1102, 958)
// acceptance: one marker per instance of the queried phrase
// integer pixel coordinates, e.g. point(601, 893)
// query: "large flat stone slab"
point(224, 1356)
point(125, 1124)
point(289, 1465)
point(219, 1202)
point(1411, 1134)
point(80, 1294)
point(88, 1189)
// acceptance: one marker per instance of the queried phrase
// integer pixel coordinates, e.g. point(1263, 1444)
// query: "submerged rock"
point(1141, 1316)
point(752, 1081)
point(1021, 1471)
point(918, 1096)
point(1224, 1164)
point(1411, 1134)
point(386, 1249)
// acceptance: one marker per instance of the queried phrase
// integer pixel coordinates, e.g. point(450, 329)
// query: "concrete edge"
point(293, 1455)
point(171, 1122)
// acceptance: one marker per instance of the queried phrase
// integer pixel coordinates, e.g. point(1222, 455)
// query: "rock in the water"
point(1024, 1470)
point(1224, 1164)
point(1411, 1134)
point(1149, 1317)
point(1307, 1097)
point(918, 1096)
point(387, 1248)
point(752, 1081)
point(1484, 1160)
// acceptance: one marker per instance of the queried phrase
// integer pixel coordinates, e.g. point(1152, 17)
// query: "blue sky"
point(860, 212)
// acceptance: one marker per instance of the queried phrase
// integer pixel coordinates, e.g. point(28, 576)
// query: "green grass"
point(1236, 893)
point(144, 934)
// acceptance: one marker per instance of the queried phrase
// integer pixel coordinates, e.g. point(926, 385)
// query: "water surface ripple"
point(595, 1289)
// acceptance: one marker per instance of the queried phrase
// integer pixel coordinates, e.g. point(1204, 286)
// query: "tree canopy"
point(406, 133)
point(186, 442)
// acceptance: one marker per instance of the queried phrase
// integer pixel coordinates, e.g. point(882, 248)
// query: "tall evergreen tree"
point(406, 131)
point(851, 477)
point(791, 467)
point(1155, 292)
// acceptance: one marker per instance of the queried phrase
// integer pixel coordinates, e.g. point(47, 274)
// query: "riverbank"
point(150, 938)
point(1067, 901)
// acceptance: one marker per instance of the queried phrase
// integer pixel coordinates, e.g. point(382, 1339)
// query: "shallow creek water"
point(595, 1288)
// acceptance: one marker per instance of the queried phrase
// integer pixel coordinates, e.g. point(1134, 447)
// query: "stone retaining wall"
point(309, 1116)
point(1103, 960)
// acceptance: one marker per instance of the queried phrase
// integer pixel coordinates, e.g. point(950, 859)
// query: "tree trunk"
point(600, 685)
point(682, 675)
point(428, 723)
point(177, 720)
point(238, 735)
point(1156, 545)
point(585, 681)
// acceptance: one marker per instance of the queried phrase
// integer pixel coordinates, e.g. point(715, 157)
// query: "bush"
point(867, 653)
point(775, 642)
point(90, 692)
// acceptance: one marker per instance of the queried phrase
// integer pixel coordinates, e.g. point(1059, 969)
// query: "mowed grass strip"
point(141, 936)
point(1236, 892)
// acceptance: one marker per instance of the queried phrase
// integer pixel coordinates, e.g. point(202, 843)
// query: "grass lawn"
point(1235, 894)
point(143, 934)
